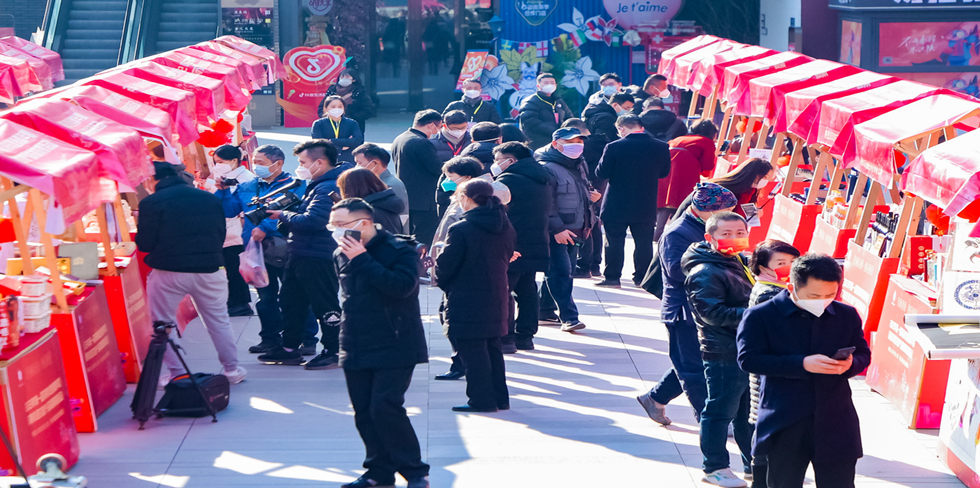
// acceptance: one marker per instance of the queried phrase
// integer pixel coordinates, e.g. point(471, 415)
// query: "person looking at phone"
point(805, 346)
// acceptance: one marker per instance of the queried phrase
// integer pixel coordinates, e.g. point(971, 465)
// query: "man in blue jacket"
point(310, 279)
point(805, 346)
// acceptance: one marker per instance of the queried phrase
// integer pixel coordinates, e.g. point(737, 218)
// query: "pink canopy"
point(236, 94)
point(24, 79)
point(208, 92)
point(766, 93)
point(67, 173)
point(123, 157)
point(736, 78)
point(947, 174)
point(50, 57)
point(803, 107)
point(275, 68)
point(666, 66)
point(686, 65)
point(145, 119)
point(250, 68)
point(41, 70)
point(708, 75)
point(872, 150)
point(178, 104)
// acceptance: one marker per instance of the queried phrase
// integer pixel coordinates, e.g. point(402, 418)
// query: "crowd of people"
point(482, 209)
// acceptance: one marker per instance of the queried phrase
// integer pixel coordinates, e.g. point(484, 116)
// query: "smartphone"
point(844, 353)
point(356, 235)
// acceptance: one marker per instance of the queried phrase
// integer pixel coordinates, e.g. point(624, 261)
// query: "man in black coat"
point(600, 117)
point(449, 143)
point(485, 137)
point(543, 113)
point(661, 123)
point(418, 166)
point(530, 205)
point(806, 414)
point(381, 341)
point(632, 165)
point(654, 87)
point(476, 108)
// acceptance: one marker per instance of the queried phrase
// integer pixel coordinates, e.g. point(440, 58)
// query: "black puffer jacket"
point(381, 325)
point(482, 151)
point(472, 270)
point(761, 292)
point(306, 225)
point(570, 185)
point(663, 124)
point(600, 118)
point(530, 205)
point(181, 228)
point(387, 210)
point(541, 115)
point(477, 109)
point(718, 289)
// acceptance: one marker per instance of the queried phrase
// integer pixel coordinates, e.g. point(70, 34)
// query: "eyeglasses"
point(341, 225)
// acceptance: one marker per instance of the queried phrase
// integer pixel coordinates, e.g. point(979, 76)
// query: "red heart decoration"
point(316, 64)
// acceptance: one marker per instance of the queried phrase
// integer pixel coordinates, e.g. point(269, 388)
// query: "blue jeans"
point(556, 291)
point(728, 403)
point(687, 373)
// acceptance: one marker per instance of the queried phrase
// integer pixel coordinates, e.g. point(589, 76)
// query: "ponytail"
point(480, 192)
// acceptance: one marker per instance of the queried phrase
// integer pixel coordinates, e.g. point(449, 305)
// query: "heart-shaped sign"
point(315, 64)
point(630, 14)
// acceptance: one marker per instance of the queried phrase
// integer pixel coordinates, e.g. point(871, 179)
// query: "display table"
point(130, 315)
point(793, 222)
point(37, 411)
point(899, 369)
point(865, 283)
point(91, 357)
point(830, 240)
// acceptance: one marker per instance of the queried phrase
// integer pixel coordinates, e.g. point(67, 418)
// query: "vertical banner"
point(309, 71)
point(472, 67)
point(251, 20)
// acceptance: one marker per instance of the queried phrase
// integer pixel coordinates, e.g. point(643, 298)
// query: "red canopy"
point(766, 93)
point(208, 92)
point(236, 94)
point(41, 70)
point(275, 68)
point(685, 66)
point(874, 140)
point(67, 173)
point(123, 157)
point(708, 73)
point(146, 119)
point(178, 104)
point(736, 78)
point(25, 80)
point(250, 68)
point(666, 66)
point(803, 107)
point(947, 174)
point(50, 57)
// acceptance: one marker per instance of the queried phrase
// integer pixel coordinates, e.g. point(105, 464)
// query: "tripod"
point(146, 389)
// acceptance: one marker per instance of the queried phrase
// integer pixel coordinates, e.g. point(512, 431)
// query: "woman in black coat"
point(360, 105)
point(472, 270)
point(362, 183)
point(343, 132)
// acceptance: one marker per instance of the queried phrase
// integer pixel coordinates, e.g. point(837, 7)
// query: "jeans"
point(791, 450)
point(310, 282)
point(523, 321)
point(615, 248)
point(486, 380)
point(238, 294)
point(556, 291)
point(271, 323)
point(727, 404)
point(687, 373)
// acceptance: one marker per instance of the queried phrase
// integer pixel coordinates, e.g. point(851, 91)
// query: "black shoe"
point(450, 375)
point(549, 319)
point(422, 482)
point(503, 406)
point(524, 344)
point(307, 350)
point(324, 360)
point(596, 272)
point(581, 274)
point(364, 482)
point(262, 347)
point(281, 356)
point(508, 348)
point(471, 409)
point(240, 311)
point(607, 283)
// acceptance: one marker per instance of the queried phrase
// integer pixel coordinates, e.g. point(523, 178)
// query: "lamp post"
point(496, 27)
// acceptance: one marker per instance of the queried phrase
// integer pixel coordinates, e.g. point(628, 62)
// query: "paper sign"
point(472, 67)
point(763, 154)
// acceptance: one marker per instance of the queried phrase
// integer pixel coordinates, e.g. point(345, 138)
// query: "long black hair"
point(740, 180)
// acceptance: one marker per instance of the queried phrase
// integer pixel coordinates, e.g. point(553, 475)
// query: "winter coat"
point(395, 184)
point(632, 165)
point(530, 205)
point(718, 289)
point(387, 210)
point(446, 149)
point(239, 201)
point(773, 338)
point(600, 118)
point(691, 157)
point(418, 166)
point(571, 209)
point(472, 270)
point(360, 106)
point(540, 116)
point(181, 228)
point(381, 323)
point(761, 292)
point(663, 124)
point(677, 237)
point(482, 151)
point(306, 224)
point(477, 109)
point(233, 223)
point(347, 137)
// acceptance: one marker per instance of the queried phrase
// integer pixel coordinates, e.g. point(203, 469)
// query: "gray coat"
point(570, 187)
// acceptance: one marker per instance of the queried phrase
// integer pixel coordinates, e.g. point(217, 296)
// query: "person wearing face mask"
point(344, 133)
point(691, 157)
point(806, 415)
point(543, 113)
point(374, 158)
point(600, 117)
point(381, 341)
point(485, 137)
point(718, 283)
point(590, 255)
point(417, 165)
point(473, 105)
point(452, 137)
point(309, 279)
point(360, 106)
point(661, 123)
point(528, 211)
point(655, 86)
point(228, 172)
point(472, 270)
point(745, 181)
point(362, 183)
point(609, 85)
point(570, 222)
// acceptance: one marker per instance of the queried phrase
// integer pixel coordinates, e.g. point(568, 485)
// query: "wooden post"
point(794, 162)
point(763, 135)
point(856, 197)
point(110, 255)
point(823, 164)
point(908, 221)
point(50, 255)
point(835, 179)
point(20, 231)
point(708, 112)
point(778, 144)
point(692, 110)
point(117, 210)
point(725, 128)
point(743, 150)
point(874, 195)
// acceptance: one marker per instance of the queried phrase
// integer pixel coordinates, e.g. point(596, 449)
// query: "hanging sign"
point(318, 7)
point(535, 12)
point(473, 67)
point(309, 71)
point(630, 14)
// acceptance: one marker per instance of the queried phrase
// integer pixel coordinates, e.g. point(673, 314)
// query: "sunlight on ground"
point(243, 464)
point(267, 405)
point(167, 480)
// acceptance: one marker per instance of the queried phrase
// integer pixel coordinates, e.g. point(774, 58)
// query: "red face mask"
point(782, 273)
point(731, 247)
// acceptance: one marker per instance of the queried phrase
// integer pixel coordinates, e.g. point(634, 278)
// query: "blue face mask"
point(609, 90)
point(262, 171)
point(448, 185)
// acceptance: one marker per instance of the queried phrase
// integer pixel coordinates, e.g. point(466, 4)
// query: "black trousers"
point(238, 293)
point(486, 381)
point(791, 451)
point(616, 248)
point(390, 443)
point(423, 225)
point(456, 365)
point(523, 304)
point(590, 256)
point(310, 282)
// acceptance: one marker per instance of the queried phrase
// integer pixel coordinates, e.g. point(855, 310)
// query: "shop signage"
point(251, 20)
point(535, 12)
point(902, 4)
point(472, 66)
point(309, 72)
point(630, 14)
point(318, 7)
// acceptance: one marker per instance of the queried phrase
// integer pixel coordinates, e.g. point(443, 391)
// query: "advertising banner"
point(959, 81)
point(309, 72)
point(472, 66)
point(928, 44)
point(850, 42)
point(251, 20)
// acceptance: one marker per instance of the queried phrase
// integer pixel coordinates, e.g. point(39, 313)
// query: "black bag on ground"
point(181, 399)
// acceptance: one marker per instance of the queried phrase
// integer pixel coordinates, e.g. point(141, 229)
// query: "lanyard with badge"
point(478, 107)
point(554, 106)
point(745, 268)
point(336, 128)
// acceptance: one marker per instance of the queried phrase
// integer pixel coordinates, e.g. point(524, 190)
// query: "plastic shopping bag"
point(186, 312)
point(252, 267)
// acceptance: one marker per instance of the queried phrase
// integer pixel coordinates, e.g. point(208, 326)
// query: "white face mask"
point(303, 173)
point(815, 306)
point(471, 93)
point(345, 81)
point(221, 169)
point(496, 169)
point(456, 134)
point(335, 112)
point(761, 183)
point(338, 234)
point(548, 89)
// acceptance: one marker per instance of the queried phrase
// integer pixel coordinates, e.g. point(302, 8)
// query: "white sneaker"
point(724, 477)
point(163, 381)
point(236, 375)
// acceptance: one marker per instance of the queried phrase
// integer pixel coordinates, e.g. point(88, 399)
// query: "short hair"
point(331, 98)
point(514, 149)
point(484, 132)
point(163, 169)
point(271, 151)
point(454, 117)
point(575, 123)
point(228, 152)
point(766, 249)
point(712, 224)
point(609, 76)
point(813, 265)
point(652, 102)
point(480, 191)
point(473, 80)
point(543, 76)
point(319, 149)
point(426, 117)
point(355, 205)
point(629, 120)
point(463, 166)
point(652, 78)
point(705, 128)
point(511, 132)
point(373, 151)
point(622, 98)
point(359, 183)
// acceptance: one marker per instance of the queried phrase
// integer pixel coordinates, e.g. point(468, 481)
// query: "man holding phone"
point(805, 346)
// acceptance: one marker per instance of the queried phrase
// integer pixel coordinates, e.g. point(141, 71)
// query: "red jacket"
point(690, 158)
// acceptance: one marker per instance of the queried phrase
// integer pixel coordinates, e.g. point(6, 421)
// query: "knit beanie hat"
point(711, 197)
